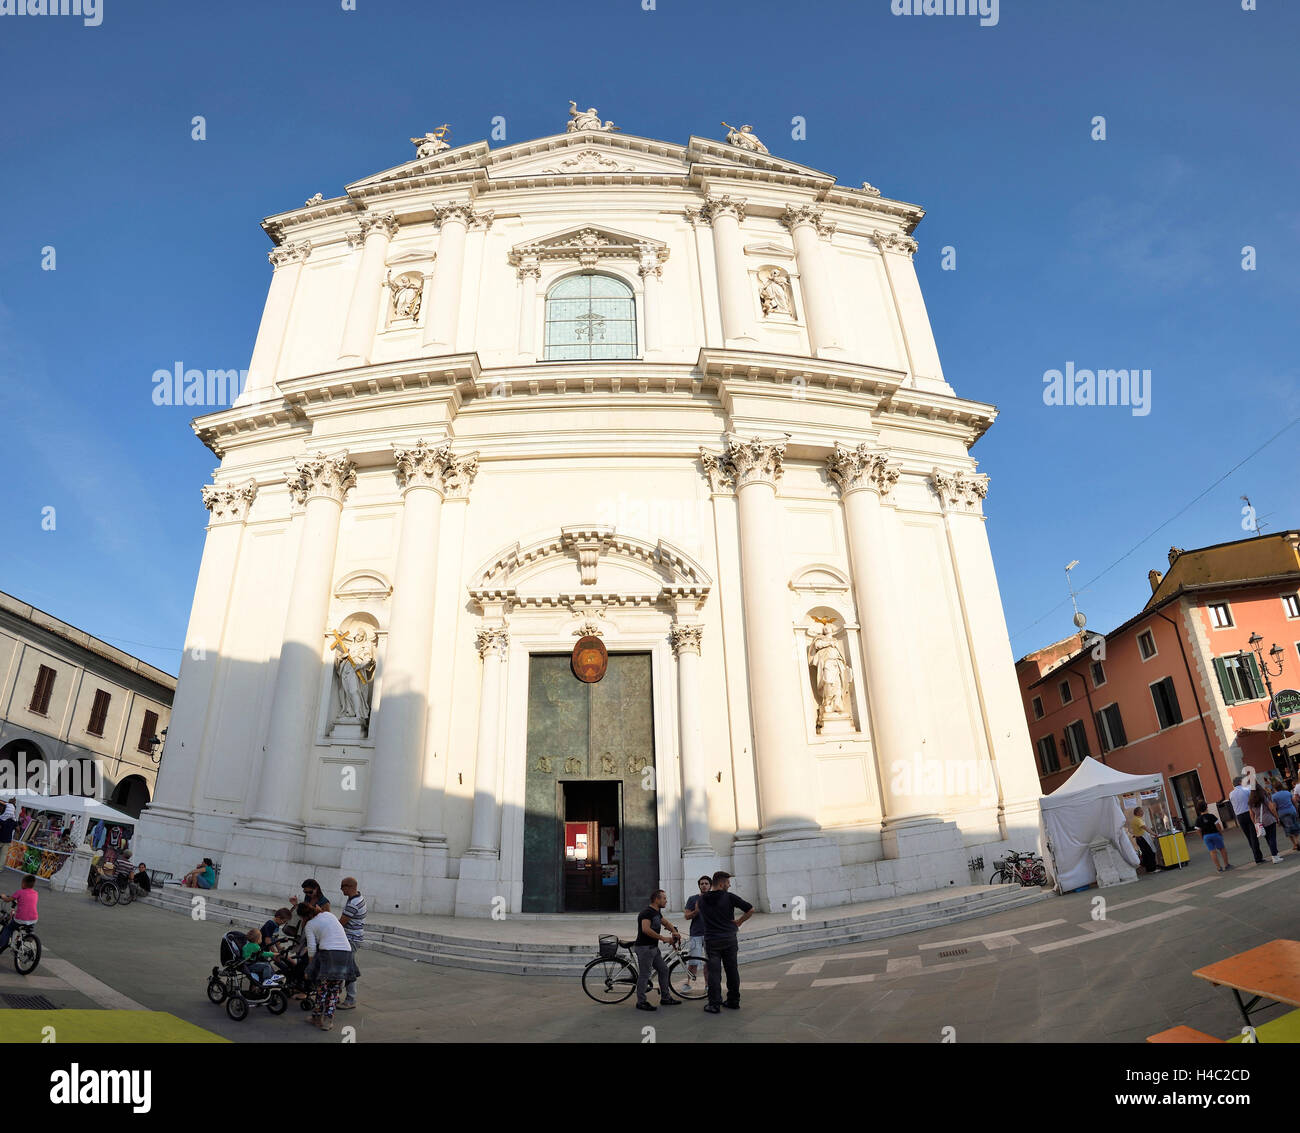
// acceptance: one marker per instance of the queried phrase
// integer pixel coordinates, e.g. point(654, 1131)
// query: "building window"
point(41, 693)
point(1220, 615)
point(1038, 708)
point(1098, 675)
point(1146, 645)
point(1111, 728)
point(1047, 759)
point(1076, 742)
point(1166, 702)
point(1239, 678)
point(1066, 694)
point(98, 713)
point(590, 316)
point(148, 731)
point(1291, 604)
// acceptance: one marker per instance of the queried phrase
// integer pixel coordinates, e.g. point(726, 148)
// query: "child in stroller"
point(244, 979)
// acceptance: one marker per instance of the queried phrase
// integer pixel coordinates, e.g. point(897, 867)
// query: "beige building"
point(77, 711)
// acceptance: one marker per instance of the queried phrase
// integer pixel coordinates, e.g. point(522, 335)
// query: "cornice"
point(968, 420)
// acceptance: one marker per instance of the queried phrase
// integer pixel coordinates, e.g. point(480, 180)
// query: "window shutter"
point(1117, 726)
point(148, 731)
point(1256, 679)
point(43, 691)
point(1225, 689)
point(1101, 730)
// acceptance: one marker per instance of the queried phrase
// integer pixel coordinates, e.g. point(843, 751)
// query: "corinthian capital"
point(861, 467)
point(715, 207)
point(492, 639)
point(383, 222)
point(326, 476)
point(229, 502)
point(894, 242)
point(754, 462)
point(685, 638)
point(464, 212)
point(796, 215)
point(959, 491)
point(289, 253)
point(435, 466)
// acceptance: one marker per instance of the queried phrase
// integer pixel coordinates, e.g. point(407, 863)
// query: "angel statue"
point(744, 138)
point(407, 291)
point(354, 662)
point(580, 120)
point(432, 143)
point(833, 673)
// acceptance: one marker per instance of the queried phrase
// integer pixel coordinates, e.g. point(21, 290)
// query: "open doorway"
point(592, 847)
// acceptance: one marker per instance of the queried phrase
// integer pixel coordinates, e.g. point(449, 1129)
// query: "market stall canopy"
point(73, 804)
point(1094, 780)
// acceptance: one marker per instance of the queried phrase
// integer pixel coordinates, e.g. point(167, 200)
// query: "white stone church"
point(683, 400)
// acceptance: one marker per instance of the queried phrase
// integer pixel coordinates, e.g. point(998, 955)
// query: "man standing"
point(353, 920)
point(646, 946)
point(8, 818)
point(695, 949)
point(717, 909)
point(1240, 799)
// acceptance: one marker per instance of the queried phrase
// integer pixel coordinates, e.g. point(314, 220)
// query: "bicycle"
point(1025, 869)
point(610, 978)
point(26, 945)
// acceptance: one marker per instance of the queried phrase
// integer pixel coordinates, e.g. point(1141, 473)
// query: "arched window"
point(590, 316)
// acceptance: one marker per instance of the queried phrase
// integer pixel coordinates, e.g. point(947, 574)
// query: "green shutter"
point(1101, 730)
point(1221, 671)
point(1117, 726)
point(1254, 674)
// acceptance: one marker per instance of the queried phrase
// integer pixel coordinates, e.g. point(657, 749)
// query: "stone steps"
point(568, 959)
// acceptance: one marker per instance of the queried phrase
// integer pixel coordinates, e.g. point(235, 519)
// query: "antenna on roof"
point(1249, 520)
point(1080, 620)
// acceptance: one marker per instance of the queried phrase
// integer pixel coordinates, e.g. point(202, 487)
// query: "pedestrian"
point(1137, 829)
point(25, 899)
point(1287, 815)
point(695, 946)
point(271, 927)
point(311, 895)
point(353, 921)
point(1264, 815)
point(8, 820)
point(646, 946)
point(718, 907)
point(1212, 835)
point(330, 962)
point(202, 876)
point(1240, 799)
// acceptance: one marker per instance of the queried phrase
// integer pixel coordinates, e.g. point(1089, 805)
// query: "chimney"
point(1174, 552)
point(1154, 577)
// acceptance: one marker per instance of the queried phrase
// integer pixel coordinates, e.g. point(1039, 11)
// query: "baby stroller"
point(294, 981)
point(232, 984)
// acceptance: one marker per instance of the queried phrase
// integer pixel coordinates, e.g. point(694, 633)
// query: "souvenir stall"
point(52, 830)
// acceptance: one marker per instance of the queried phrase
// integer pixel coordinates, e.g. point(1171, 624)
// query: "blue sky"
point(1122, 253)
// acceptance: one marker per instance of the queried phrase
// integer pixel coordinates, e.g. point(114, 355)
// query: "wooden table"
point(1270, 972)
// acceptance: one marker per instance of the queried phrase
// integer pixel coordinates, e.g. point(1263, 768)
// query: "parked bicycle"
point(1024, 869)
point(24, 943)
point(611, 978)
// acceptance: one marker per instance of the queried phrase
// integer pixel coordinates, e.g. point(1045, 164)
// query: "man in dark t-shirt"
point(646, 946)
point(717, 910)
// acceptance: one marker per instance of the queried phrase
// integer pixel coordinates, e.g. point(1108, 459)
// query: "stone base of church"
point(478, 889)
point(393, 872)
point(798, 873)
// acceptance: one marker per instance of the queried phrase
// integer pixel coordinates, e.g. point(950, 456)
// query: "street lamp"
point(1277, 653)
point(155, 744)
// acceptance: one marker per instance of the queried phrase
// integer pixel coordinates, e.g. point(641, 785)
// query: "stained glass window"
point(590, 316)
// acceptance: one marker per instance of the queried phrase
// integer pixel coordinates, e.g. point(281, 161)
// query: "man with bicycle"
point(648, 938)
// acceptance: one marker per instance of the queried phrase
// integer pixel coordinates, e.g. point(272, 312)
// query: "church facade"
point(677, 406)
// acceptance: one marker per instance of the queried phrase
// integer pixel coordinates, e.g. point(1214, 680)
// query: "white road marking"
point(36, 983)
point(1275, 875)
point(903, 964)
point(805, 967)
point(758, 985)
point(1110, 928)
point(903, 973)
point(90, 987)
point(988, 935)
point(995, 942)
point(860, 955)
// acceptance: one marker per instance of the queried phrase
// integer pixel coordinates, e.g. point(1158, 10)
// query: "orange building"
point(1179, 689)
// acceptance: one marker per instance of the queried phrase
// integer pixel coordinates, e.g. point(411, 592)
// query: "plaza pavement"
point(1047, 972)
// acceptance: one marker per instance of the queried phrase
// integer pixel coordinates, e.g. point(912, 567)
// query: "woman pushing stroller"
point(330, 961)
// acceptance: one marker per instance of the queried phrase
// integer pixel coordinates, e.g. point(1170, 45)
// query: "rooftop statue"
point(432, 143)
point(744, 138)
point(586, 120)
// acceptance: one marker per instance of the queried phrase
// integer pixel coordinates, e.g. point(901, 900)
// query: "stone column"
point(893, 242)
point(651, 273)
point(319, 483)
point(685, 639)
point(287, 261)
point(454, 221)
point(807, 225)
point(397, 766)
point(179, 773)
point(363, 310)
point(725, 215)
point(493, 642)
point(528, 271)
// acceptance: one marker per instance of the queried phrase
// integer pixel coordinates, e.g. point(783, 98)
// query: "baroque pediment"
point(588, 244)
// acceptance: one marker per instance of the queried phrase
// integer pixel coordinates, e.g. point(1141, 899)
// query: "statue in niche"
point(407, 292)
point(774, 292)
point(354, 665)
point(586, 120)
point(833, 673)
point(744, 138)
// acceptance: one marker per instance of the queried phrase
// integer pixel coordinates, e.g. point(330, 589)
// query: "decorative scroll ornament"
point(435, 466)
point(685, 638)
point(289, 253)
point(718, 471)
point(744, 462)
point(492, 639)
point(589, 246)
point(586, 121)
point(796, 215)
point(854, 468)
point(330, 477)
point(590, 161)
point(959, 491)
point(744, 138)
point(229, 502)
point(432, 143)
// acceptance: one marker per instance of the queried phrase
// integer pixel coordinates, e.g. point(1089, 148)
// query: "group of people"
point(1260, 805)
point(317, 950)
point(714, 940)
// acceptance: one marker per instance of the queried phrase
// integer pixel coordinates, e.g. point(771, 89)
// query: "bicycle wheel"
point(27, 954)
point(108, 895)
point(681, 982)
point(999, 877)
point(609, 981)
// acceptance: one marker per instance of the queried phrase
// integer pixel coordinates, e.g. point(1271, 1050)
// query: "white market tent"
point(1082, 810)
point(72, 804)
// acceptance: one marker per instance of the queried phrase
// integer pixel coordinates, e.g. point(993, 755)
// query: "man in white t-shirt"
point(1240, 799)
point(8, 819)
